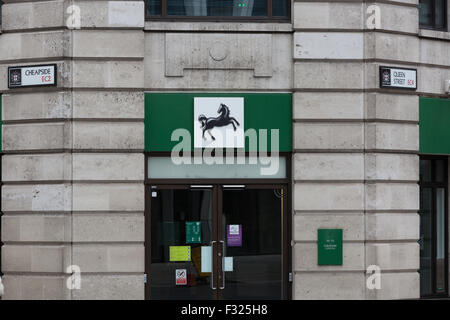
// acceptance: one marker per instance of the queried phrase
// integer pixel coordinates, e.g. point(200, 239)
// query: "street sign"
point(32, 76)
point(401, 78)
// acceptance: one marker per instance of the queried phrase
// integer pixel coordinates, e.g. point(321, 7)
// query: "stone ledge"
point(238, 26)
point(433, 34)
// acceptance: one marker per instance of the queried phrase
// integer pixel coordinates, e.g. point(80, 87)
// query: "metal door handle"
point(222, 266)
point(212, 266)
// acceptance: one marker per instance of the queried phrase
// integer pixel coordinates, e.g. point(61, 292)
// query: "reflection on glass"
point(439, 13)
point(425, 12)
point(187, 7)
point(257, 262)
point(172, 214)
point(279, 8)
point(426, 244)
point(440, 170)
point(217, 8)
point(153, 7)
point(440, 240)
point(425, 170)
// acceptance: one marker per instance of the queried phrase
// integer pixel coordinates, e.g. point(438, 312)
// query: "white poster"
point(206, 259)
point(227, 264)
point(219, 123)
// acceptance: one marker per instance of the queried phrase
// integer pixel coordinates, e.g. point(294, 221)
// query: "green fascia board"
point(165, 112)
point(434, 125)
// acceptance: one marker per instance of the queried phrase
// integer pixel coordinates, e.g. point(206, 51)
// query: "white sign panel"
point(29, 76)
point(398, 78)
point(206, 259)
point(219, 123)
point(228, 264)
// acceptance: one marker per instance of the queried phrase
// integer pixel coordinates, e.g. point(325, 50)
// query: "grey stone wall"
point(355, 163)
point(73, 163)
point(73, 167)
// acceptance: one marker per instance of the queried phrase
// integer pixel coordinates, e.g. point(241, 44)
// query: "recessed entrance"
point(433, 226)
point(217, 242)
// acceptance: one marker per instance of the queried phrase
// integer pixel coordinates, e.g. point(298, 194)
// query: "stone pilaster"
point(73, 167)
point(356, 163)
point(328, 161)
point(37, 160)
point(108, 144)
point(391, 156)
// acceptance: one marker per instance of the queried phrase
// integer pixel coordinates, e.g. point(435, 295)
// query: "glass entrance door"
point(215, 242)
point(182, 224)
point(251, 230)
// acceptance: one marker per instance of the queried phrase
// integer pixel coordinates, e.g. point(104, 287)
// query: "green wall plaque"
point(329, 247)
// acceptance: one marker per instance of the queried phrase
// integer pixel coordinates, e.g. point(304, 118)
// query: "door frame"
point(217, 184)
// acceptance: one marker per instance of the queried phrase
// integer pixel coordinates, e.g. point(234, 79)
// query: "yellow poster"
point(179, 253)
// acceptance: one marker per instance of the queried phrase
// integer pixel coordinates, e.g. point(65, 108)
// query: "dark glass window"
point(216, 8)
point(262, 9)
point(1, 243)
point(280, 8)
point(433, 226)
point(433, 14)
point(153, 7)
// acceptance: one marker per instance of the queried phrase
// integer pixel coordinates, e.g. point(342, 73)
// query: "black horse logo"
point(222, 120)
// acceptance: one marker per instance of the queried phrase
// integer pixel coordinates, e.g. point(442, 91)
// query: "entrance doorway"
point(433, 226)
point(217, 242)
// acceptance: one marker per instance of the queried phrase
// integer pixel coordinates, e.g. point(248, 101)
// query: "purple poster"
point(234, 235)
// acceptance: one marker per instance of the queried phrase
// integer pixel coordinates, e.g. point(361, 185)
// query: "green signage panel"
point(193, 232)
point(166, 112)
point(434, 125)
point(329, 247)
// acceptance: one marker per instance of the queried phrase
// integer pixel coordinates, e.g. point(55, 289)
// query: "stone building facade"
point(74, 155)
